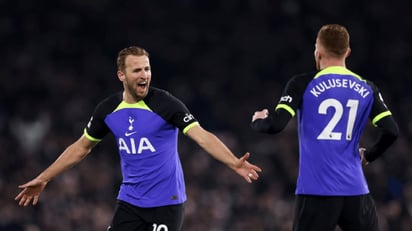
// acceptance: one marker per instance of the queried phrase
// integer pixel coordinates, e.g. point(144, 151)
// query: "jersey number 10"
point(161, 227)
point(328, 132)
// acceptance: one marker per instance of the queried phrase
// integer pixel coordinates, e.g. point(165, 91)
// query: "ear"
point(121, 76)
point(318, 53)
point(348, 51)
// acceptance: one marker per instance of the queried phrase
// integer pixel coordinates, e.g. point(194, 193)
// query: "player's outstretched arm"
point(216, 148)
point(72, 155)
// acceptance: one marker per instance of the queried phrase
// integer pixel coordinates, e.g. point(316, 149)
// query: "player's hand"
point(247, 170)
point(362, 154)
point(263, 114)
point(31, 192)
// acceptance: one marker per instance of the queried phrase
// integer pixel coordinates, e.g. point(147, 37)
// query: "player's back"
point(334, 110)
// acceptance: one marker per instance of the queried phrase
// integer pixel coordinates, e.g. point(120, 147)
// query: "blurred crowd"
point(224, 59)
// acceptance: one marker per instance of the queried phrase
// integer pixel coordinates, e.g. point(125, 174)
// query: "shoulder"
point(304, 76)
point(372, 85)
point(169, 107)
point(300, 81)
point(161, 97)
point(109, 103)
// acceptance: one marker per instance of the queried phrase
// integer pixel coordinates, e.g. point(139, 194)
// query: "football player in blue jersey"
point(145, 122)
point(332, 106)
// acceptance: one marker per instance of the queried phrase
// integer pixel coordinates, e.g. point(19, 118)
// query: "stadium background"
point(224, 59)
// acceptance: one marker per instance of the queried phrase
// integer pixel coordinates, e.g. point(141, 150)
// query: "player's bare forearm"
point(212, 145)
point(216, 148)
point(241, 166)
point(71, 155)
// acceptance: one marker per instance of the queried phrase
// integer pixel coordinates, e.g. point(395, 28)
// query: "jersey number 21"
point(329, 133)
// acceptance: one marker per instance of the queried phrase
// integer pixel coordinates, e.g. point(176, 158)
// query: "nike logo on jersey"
point(129, 133)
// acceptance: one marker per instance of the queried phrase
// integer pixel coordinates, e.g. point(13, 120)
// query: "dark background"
point(224, 59)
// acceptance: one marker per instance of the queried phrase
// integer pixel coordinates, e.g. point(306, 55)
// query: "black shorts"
point(128, 217)
point(353, 213)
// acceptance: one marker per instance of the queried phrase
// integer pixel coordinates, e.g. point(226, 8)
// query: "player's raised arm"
point(72, 155)
point(215, 147)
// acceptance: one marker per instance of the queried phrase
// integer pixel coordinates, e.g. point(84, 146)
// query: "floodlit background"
point(224, 59)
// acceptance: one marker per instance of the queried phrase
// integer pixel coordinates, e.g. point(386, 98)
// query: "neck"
point(128, 98)
point(324, 63)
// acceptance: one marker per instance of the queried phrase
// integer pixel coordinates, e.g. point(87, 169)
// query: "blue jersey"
point(333, 107)
point(146, 134)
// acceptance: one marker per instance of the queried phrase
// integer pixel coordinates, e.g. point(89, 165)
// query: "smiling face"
point(136, 76)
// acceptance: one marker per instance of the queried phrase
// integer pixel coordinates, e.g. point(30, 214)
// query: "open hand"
point(247, 170)
point(31, 192)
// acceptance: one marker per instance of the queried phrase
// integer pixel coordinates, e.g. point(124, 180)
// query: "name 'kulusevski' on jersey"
point(331, 83)
point(146, 134)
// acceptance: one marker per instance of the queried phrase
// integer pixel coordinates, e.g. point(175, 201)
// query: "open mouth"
point(142, 84)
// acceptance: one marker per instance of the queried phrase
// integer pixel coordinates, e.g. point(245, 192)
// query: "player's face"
point(137, 76)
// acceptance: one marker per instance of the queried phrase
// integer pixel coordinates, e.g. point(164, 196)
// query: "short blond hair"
point(334, 38)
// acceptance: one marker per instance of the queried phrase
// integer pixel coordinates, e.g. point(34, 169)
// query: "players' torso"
point(146, 134)
point(334, 108)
